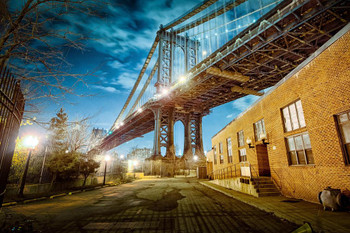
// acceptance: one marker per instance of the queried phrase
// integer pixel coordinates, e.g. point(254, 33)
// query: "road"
point(158, 205)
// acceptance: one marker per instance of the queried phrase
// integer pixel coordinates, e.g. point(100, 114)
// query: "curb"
point(55, 196)
point(35, 199)
point(58, 195)
point(9, 204)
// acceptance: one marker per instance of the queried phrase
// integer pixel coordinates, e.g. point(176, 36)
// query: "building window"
point(343, 121)
point(293, 116)
point(220, 148)
point(299, 150)
point(242, 155)
point(259, 129)
point(229, 150)
point(215, 155)
point(240, 137)
point(221, 159)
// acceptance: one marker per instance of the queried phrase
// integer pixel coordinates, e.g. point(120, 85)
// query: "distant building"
point(96, 136)
point(298, 133)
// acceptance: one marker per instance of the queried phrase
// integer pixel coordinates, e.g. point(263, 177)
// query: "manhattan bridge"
point(215, 53)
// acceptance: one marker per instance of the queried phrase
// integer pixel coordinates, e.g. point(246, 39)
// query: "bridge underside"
point(254, 60)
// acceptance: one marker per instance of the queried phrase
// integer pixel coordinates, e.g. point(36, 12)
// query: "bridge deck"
point(265, 52)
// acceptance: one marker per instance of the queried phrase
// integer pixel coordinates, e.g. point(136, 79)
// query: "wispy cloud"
point(116, 64)
point(243, 103)
point(107, 89)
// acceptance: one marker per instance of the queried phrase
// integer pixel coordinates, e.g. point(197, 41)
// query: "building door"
point(263, 160)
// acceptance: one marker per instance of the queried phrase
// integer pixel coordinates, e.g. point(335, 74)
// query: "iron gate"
point(11, 112)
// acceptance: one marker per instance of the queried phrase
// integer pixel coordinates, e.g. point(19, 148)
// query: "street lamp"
point(107, 158)
point(29, 142)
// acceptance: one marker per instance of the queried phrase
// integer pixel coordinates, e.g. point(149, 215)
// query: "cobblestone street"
point(159, 205)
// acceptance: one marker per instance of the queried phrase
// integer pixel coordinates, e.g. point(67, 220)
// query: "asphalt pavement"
point(152, 205)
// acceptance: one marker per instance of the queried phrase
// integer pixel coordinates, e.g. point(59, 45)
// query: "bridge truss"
point(221, 63)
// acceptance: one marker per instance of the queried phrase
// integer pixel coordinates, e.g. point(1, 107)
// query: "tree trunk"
point(85, 178)
point(53, 181)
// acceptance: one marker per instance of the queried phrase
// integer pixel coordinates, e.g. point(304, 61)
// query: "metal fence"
point(11, 112)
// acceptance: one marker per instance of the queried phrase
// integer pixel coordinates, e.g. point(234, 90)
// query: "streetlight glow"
point(107, 158)
point(195, 158)
point(182, 79)
point(165, 91)
point(30, 142)
point(135, 162)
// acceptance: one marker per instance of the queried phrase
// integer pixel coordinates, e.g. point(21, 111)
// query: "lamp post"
point(30, 142)
point(107, 158)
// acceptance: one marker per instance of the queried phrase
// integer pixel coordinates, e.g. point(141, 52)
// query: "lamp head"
point(30, 142)
point(249, 141)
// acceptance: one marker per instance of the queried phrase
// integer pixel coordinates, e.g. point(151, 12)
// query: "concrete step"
point(267, 190)
point(266, 194)
point(262, 178)
point(262, 182)
point(264, 186)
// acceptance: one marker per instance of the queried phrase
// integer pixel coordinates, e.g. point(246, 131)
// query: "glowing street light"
point(121, 156)
point(204, 53)
point(139, 110)
point(164, 91)
point(195, 158)
point(107, 158)
point(30, 142)
point(182, 79)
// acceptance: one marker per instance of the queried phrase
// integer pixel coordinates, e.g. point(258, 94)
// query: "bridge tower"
point(165, 116)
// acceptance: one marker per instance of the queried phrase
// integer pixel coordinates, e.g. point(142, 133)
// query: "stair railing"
point(235, 170)
point(252, 170)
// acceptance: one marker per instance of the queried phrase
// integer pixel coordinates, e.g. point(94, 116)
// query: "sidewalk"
point(293, 210)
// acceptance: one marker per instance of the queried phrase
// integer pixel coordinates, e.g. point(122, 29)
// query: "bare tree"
point(78, 135)
point(33, 37)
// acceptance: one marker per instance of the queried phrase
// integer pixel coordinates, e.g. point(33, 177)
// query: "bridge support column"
point(188, 139)
point(170, 149)
point(169, 161)
point(157, 125)
point(199, 151)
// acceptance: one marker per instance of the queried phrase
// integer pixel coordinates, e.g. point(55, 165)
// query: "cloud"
point(107, 89)
point(243, 103)
point(230, 115)
point(125, 80)
point(116, 64)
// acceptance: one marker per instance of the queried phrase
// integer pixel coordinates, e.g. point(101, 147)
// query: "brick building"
point(305, 119)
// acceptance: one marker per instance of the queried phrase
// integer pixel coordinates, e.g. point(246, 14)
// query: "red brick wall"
point(323, 86)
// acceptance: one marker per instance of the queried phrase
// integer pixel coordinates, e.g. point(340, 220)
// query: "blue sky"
point(121, 41)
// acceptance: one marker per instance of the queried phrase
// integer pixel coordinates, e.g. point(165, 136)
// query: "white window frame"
point(293, 123)
point(221, 148)
point(240, 138)
point(229, 150)
point(242, 154)
point(295, 150)
point(343, 120)
point(259, 128)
